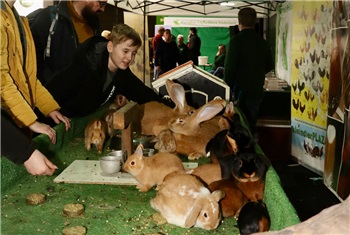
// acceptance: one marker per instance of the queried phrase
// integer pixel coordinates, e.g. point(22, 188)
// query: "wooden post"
point(123, 120)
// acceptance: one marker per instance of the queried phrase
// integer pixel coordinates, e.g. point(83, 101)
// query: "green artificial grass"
point(109, 209)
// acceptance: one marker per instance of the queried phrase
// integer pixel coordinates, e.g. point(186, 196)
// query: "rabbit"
point(184, 201)
point(253, 218)
point(226, 144)
point(222, 149)
point(249, 171)
point(234, 199)
point(165, 142)
point(155, 115)
point(193, 132)
point(207, 172)
point(95, 133)
point(150, 171)
point(108, 117)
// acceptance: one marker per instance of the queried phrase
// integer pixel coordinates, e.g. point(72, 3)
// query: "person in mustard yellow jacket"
point(21, 91)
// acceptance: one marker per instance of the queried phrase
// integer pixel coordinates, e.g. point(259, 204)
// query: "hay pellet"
point(36, 198)
point(73, 210)
point(74, 230)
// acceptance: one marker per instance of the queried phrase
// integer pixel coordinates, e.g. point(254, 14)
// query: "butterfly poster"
point(310, 71)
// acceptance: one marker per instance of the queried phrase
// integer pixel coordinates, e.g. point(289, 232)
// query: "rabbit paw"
point(143, 188)
point(194, 156)
point(88, 146)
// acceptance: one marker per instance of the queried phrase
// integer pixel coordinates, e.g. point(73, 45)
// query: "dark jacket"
point(183, 53)
point(64, 40)
point(248, 59)
point(219, 61)
point(167, 55)
point(194, 47)
point(78, 88)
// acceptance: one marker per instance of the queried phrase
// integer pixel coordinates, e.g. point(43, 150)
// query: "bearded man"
point(58, 31)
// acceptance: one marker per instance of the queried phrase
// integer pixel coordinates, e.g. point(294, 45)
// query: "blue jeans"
point(219, 72)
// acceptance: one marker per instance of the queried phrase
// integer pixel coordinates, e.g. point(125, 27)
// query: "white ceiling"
point(194, 7)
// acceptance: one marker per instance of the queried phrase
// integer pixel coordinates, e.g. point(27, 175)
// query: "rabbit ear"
point(97, 124)
point(218, 195)
point(208, 111)
point(232, 143)
point(168, 84)
point(177, 95)
point(139, 150)
point(194, 213)
point(229, 110)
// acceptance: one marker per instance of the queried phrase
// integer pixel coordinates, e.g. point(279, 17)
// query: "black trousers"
point(15, 144)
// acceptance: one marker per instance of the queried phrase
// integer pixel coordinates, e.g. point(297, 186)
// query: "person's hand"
point(121, 101)
point(59, 117)
point(42, 128)
point(158, 68)
point(38, 164)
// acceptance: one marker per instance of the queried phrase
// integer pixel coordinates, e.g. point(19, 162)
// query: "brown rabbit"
point(234, 199)
point(155, 115)
point(150, 171)
point(95, 133)
point(207, 172)
point(184, 201)
point(193, 132)
point(108, 117)
point(165, 142)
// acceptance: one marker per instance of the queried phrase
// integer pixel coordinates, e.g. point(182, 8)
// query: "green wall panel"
point(210, 37)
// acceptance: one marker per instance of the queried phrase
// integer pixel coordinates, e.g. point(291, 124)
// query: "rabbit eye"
point(191, 112)
point(205, 215)
point(132, 163)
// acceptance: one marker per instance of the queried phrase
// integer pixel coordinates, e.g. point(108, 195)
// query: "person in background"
point(183, 50)
point(248, 59)
point(218, 66)
point(20, 149)
point(194, 45)
point(167, 54)
point(99, 72)
point(59, 30)
point(21, 91)
point(155, 42)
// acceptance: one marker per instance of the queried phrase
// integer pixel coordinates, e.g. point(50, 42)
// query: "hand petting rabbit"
point(184, 201)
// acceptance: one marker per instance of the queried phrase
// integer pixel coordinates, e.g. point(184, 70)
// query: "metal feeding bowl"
point(148, 152)
point(142, 139)
point(111, 164)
